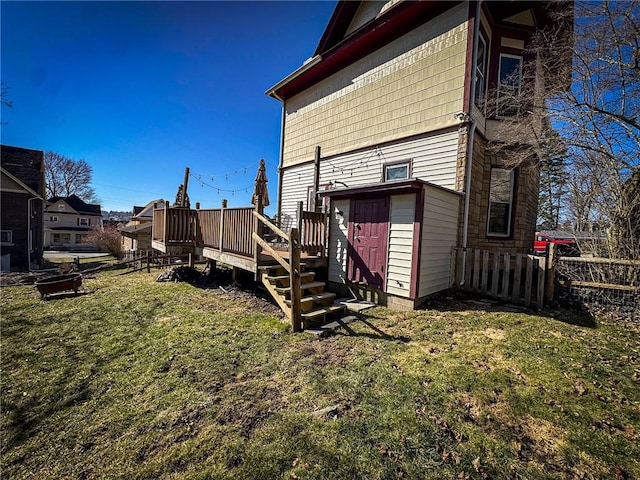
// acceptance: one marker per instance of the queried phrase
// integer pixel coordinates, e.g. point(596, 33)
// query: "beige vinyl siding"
point(295, 182)
point(401, 218)
point(433, 157)
point(338, 241)
point(439, 234)
point(410, 86)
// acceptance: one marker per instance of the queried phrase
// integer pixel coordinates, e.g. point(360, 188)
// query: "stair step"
point(284, 279)
point(319, 313)
point(304, 286)
point(274, 266)
point(307, 303)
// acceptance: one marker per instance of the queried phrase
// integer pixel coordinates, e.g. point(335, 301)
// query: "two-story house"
point(22, 200)
point(387, 125)
point(136, 234)
point(68, 220)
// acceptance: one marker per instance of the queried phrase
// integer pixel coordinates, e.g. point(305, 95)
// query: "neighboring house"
point(136, 234)
point(22, 191)
point(387, 123)
point(67, 222)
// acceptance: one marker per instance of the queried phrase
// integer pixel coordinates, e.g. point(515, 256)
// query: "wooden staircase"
point(317, 306)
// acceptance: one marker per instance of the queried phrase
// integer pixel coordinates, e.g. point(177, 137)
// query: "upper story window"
point(481, 72)
point(84, 222)
point(509, 82)
point(6, 237)
point(53, 218)
point(397, 171)
point(61, 207)
point(500, 202)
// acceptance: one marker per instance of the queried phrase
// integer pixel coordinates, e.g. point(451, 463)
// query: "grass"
point(145, 380)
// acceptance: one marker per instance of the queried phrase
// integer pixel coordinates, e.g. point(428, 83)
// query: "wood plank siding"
point(382, 97)
point(401, 249)
point(439, 234)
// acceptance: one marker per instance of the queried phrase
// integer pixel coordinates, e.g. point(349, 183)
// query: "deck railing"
point(230, 229)
point(313, 229)
point(175, 225)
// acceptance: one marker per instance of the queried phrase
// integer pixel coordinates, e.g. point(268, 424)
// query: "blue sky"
point(141, 90)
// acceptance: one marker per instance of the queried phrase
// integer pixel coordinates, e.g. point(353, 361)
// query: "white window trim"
point(508, 55)
point(483, 74)
point(84, 219)
point(386, 167)
point(54, 219)
point(512, 181)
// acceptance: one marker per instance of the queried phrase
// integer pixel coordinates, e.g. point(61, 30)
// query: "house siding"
point(382, 97)
point(401, 248)
point(338, 241)
point(439, 235)
point(294, 188)
point(433, 156)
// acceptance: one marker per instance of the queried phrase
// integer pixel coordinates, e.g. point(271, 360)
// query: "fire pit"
point(59, 283)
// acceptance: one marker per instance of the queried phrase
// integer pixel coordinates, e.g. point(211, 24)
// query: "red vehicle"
point(564, 246)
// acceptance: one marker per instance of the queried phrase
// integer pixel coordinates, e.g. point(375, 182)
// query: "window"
point(61, 238)
point(53, 218)
point(397, 171)
point(500, 202)
point(84, 222)
point(6, 237)
point(481, 72)
point(509, 78)
point(79, 238)
point(61, 207)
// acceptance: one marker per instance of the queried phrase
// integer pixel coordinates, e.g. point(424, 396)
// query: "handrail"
point(275, 229)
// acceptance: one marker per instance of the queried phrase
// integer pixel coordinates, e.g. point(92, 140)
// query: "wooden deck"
point(227, 235)
point(244, 238)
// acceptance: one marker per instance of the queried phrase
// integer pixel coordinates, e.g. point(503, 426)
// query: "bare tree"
point(583, 79)
point(4, 95)
point(65, 177)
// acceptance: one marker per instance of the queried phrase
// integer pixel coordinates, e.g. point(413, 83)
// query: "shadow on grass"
point(456, 301)
point(62, 295)
point(373, 332)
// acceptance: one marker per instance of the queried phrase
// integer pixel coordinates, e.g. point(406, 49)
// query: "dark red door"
point(368, 237)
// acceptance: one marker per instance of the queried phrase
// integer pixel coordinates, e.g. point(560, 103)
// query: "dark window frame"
point(508, 215)
point(500, 112)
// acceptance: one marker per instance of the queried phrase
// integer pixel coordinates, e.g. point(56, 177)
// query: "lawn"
point(143, 380)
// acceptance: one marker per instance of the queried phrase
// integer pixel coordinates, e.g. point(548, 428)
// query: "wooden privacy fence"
point(511, 277)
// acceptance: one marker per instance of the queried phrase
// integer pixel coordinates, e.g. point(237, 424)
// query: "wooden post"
point(551, 271)
point(191, 260)
point(222, 208)
point(148, 262)
point(184, 189)
point(542, 267)
point(166, 224)
point(294, 280)
point(316, 180)
point(257, 227)
point(299, 215)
